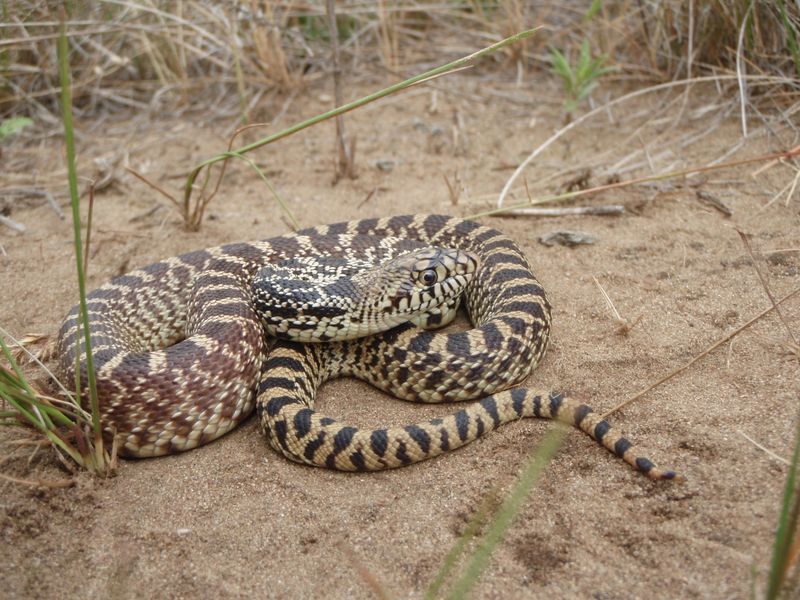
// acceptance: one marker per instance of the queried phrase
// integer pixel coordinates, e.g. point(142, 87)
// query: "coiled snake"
point(181, 357)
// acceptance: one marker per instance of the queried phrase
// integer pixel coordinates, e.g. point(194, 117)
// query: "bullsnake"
point(181, 357)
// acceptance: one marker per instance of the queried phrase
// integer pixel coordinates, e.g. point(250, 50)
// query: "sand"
point(235, 519)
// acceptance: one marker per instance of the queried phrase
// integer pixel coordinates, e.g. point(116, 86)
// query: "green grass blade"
point(507, 513)
point(260, 173)
point(97, 460)
point(67, 394)
point(593, 10)
point(791, 37)
point(561, 66)
point(69, 140)
point(15, 393)
point(35, 410)
point(20, 401)
point(787, 525)
point(473, 526)
point(584, 61)
point(17, 371)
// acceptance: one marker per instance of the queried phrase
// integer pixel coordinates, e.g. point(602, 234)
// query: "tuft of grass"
point(667, 31)
point(72, 176)
point(62, 421)
point(69, 428)
point(581, 78)
point(31, 407)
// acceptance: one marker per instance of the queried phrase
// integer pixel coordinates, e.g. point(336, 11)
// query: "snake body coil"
point(181, 357)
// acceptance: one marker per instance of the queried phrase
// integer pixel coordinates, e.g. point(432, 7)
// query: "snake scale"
point(181, 356)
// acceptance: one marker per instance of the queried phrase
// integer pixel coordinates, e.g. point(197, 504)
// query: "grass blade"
point(787, 526)
point(69, 141)
point(791, 37)
point(16, 390)
point(473, 526)
point(507, 512)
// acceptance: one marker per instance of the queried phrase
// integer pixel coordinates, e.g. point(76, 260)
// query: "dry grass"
point(158, 55)
point(231, 61)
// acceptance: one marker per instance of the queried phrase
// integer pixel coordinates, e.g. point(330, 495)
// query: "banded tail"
point(296, 430)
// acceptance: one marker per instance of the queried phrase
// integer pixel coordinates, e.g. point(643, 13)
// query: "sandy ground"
point(234, 519)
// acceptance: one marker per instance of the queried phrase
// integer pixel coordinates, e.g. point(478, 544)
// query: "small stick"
point(367, 198)
point(344, 165)
point(32, 191)
point(53, 204)
point(766, 287)
point(608, 300)
point(760, 447)
point(610, 209)
point(670, 175)
point(765, 167)
point(11, 223)
point(788, 188)
point(794, 185)
point(781, 250)
point(624, 325)
point(148, 213)
point(36, 449)
point(452, 191)
point(713, 346)
point(40, 483)
point(156, 187)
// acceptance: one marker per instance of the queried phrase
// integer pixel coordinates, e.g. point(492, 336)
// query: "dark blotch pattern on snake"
point(181, 357)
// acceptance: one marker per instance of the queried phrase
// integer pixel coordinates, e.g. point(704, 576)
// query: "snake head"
point(425, 283)
point(321, 299)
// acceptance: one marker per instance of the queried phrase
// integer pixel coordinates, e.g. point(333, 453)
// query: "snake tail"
point(300, 433)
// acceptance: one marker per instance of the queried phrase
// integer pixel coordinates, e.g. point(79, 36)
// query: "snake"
point(188, 347)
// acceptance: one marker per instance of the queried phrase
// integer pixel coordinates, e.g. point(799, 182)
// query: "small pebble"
point(567, 238)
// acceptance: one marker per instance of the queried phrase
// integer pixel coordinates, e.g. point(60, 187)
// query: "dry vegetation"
point(157, 55)
point(235, 63)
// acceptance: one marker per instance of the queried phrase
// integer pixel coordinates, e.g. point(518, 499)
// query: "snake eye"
point(428, 277)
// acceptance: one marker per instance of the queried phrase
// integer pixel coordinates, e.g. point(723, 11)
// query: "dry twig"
point(624, 326)
point(761, 278)
point(40, 483)
point(345, 165)
point(601, 110)
point(762, 448)
point(712, 347)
